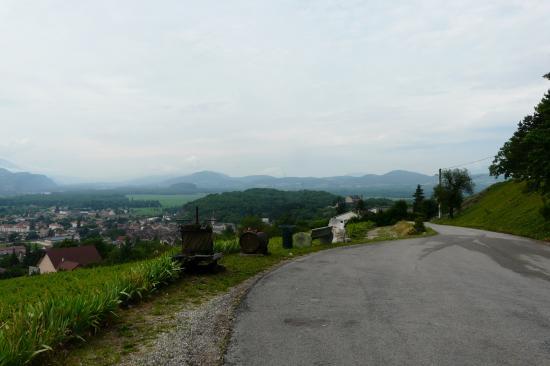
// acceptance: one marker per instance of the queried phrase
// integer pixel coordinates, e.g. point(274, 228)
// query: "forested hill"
point(263, 202)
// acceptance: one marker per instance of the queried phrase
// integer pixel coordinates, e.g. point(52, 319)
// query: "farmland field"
point(167, 200)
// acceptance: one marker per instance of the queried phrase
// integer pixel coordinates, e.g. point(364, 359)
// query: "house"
point(19, 251)
point(220, 227)
point(21, 227)
point(353, 199)
point(68, 259)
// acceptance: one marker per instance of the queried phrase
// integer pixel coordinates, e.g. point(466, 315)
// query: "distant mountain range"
point(22, 183)
point(395, 184)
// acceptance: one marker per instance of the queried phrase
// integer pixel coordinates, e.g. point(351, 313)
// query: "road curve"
point(464, 297)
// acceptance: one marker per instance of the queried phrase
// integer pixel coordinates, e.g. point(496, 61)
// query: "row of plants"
point(52, 312)
point(227, 246)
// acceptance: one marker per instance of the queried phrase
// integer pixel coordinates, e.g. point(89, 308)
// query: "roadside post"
point(287, 235)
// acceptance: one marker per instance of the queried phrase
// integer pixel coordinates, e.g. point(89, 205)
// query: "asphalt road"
point(464, 297)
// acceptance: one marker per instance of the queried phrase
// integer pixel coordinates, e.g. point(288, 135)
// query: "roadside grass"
point(36, 325)
point(504, 207)
point(167, 200)
point(45, 319)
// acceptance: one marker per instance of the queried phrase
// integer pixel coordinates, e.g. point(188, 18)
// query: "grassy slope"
point(505, 207)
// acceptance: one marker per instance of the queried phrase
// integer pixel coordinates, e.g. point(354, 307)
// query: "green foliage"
point(259, 202)
point(360, 207)
point(166, 200)
point(454, 183)
point(67, 243)
point(93, 200)
point(418, 199)
point(398, 211)
point(227, 246)
point(359, 230)
point(429, 208)
point(132, 251)
point(341, 206)
point(252, 223)
point(525, 156)
point(53, 312)
point(545, 209)
point(419, 227)
point(506, 207)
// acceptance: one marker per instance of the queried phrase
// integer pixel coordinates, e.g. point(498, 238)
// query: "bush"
point(359, 230)
point(404, 228)
point(545, 209)
point(419, 225)
point(227, 246)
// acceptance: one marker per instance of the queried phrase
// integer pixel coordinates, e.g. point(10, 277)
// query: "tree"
point(418, 199)
point(525, 156)
point(429, 208)
point(67, 243)
point(340, 205)
point(454, 183)
point(252, 223)
point(360, 207)
point(398, 211)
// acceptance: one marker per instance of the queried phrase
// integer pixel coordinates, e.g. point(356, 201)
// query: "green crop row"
point(227, 246)
point(66, 306)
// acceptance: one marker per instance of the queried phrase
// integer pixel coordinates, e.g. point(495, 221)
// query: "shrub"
point(419, 227)
point(359, 230)
point(227, 246)
point(404, 228)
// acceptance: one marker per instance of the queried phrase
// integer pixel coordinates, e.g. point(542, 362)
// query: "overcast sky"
point(117, 89)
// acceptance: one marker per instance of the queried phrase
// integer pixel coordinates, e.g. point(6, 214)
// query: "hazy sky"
point(116, 89)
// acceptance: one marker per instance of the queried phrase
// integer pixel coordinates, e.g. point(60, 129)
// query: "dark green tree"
point(526, 155)
point(398, 211)
point(340, 205)
point(252, 223)
point(454, 183)
point(429, 208)
point(418, 199)
point(360, 207)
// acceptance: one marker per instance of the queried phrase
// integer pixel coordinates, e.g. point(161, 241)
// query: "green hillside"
point(505, 207)
point(264, 202)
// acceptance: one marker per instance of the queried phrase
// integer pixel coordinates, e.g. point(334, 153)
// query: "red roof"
point(68, 266)
point(82, 256)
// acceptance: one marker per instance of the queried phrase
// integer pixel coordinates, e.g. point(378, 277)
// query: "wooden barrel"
point(253, 242)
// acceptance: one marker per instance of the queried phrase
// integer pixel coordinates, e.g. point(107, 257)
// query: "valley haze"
point(396, 183)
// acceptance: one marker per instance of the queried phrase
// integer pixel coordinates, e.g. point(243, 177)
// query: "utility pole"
point(439, 200)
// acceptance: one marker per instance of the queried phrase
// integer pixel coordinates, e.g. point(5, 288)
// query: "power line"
point(471, 162)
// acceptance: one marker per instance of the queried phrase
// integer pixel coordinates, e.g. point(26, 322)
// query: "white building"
point(21, 227)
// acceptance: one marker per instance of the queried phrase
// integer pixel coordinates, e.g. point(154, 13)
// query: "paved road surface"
point(465, 297)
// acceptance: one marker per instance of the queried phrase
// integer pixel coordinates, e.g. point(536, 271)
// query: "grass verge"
point(504, 207)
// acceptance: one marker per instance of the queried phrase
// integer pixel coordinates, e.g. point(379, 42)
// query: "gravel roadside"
point(199, 335)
